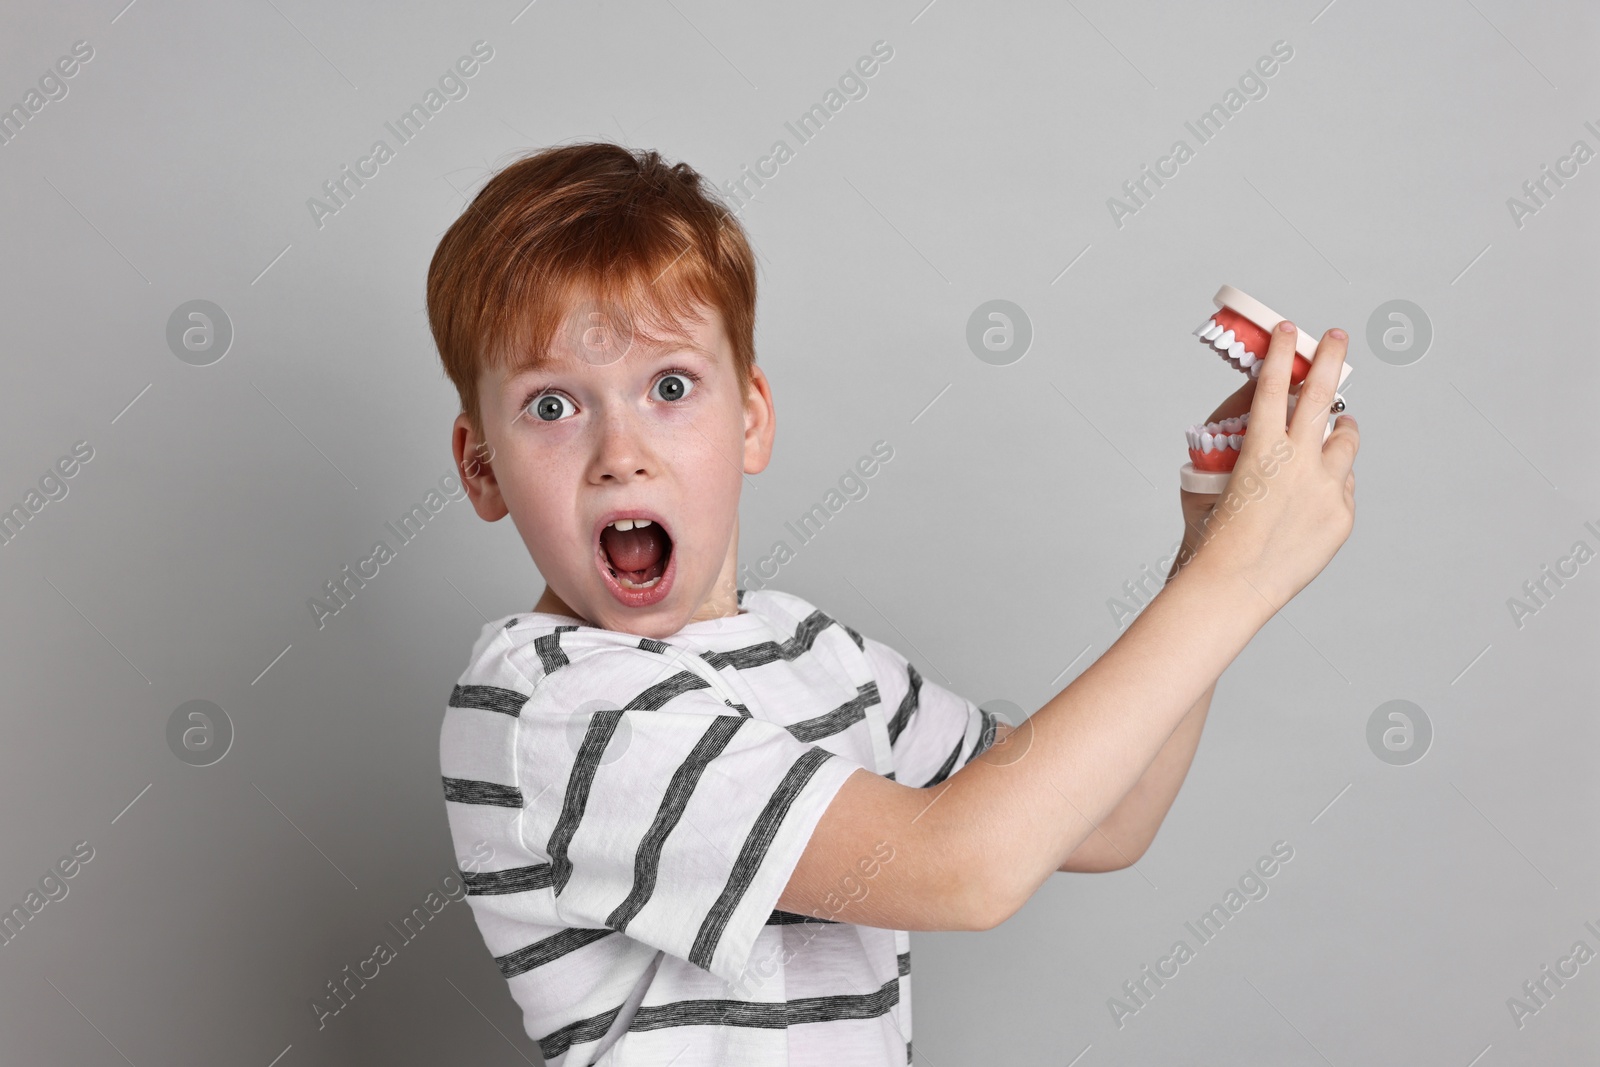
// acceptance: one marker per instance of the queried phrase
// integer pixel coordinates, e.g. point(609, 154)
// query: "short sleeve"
point(932, 731)
point(664, 811)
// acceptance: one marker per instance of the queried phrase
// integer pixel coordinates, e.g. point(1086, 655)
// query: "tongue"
point(634, 551)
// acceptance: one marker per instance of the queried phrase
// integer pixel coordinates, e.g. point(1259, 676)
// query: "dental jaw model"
point(1239, 332)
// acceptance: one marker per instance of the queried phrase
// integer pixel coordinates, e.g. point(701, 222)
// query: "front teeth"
point(1229, 347)
point(1215, 436)
point(630, 524)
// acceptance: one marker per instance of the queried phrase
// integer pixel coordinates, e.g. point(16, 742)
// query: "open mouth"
point(1239, 332)
point(634, 553)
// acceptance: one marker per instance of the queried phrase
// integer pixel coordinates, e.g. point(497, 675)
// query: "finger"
point(1195, 506)
point(1199, 500)
point(1236, 404)
point(1194, 520)
point(1318, 389)
point(1339, 453)
point(1269, 405)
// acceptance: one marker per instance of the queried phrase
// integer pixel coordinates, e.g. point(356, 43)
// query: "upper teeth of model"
point(628, 524)
point(1230, 348)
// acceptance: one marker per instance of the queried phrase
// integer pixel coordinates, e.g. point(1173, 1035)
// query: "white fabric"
point(646, 801)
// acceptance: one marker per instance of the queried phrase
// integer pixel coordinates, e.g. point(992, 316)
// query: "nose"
point(621, 453)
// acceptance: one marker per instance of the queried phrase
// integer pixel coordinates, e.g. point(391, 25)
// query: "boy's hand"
point(1197, 506)
point(1290, 502)
point(1009, 823)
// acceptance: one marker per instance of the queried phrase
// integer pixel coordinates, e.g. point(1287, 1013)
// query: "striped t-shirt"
point(646, 801)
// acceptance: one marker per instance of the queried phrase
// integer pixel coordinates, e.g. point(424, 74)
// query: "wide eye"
point(674, 386)
point(550, 407)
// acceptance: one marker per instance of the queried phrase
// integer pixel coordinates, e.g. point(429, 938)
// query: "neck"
point(723, 600)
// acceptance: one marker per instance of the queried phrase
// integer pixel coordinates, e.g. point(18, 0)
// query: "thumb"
point(1339, 451)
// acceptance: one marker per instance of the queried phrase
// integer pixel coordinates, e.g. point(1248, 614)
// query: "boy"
point(715, 812)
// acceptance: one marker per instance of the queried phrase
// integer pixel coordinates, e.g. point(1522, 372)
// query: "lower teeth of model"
point(634, 585)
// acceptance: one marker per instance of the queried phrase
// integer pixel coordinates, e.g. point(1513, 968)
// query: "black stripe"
point(653, 698)
point(650, 644)
point(511, 880)
point(862, 645)
point(468, 791)
point(846, 1005)
point(908, 704)
point(602, 725)
point(949, 764)
point(789, 918)
point(757, 655)
point(647, 857)
point(549, 648)
point(752, 854)
point(750, 656)
point(908, 1050)
point(839, 719)
point(904, 959)
point(769, 1016)
point(512, 623)
point(488, 698)
point(546, 949)
point(580, 1032)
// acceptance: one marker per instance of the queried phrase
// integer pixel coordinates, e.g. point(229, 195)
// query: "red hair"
point(591, 221)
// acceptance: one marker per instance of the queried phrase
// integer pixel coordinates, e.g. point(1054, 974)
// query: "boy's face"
point(609, 431)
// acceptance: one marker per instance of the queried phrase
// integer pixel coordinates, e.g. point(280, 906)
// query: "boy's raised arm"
point(969, 852)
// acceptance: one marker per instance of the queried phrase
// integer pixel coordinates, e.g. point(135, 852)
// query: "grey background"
point(978, 167)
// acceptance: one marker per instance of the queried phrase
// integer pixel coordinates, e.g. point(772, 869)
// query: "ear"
point(760, 423)
point(472, 460)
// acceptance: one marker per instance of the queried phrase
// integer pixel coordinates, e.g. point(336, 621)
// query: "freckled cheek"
point(708, 466)
point(677, 441)
point(705, 476)
point(540, 489)
point(692, 431)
